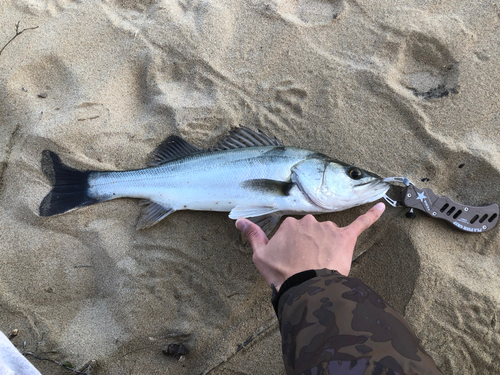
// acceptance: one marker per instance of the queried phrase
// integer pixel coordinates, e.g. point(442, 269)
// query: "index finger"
point(364, 221)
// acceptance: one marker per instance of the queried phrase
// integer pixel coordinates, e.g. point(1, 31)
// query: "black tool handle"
point(466, 218)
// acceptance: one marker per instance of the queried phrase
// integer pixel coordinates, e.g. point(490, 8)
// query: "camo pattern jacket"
point(333, 324)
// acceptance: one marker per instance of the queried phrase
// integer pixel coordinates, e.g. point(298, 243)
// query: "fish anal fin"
point(243, 137)
point(251, 211)
point(152, 213)
point(267, 222)
point(173, 147)
point(263, 185)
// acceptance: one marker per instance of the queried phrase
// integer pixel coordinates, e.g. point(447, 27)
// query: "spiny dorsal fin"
point(171, 148)
point(244, 137)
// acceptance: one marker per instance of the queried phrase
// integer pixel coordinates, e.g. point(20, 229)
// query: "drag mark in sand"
point(63, 365)
point(8, 150)
point(248, 341)
point(14, 131)
point(310, 13)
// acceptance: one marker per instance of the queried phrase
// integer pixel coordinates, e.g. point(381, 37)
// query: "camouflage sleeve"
point(333, 324)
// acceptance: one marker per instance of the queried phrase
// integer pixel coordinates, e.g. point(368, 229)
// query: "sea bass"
point(248, 174)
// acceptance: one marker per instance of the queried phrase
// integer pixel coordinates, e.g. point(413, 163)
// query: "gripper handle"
point(466, 218)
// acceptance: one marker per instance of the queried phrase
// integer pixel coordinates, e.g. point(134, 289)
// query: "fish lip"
point(373, 182)
point(375, 188)
point(364, 183)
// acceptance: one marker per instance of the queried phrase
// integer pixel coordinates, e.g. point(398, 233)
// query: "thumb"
point(254, 234)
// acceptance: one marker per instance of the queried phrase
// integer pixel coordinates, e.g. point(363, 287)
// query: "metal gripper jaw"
point(473, 219)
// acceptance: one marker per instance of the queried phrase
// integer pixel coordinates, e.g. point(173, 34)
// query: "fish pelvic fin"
point(251, 211)
point(69, 186)
point(152, 213)
point(267, 222)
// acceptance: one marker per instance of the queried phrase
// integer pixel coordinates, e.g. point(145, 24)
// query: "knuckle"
point(251, 232)
point(330, 224)
point(359, 225)
point(366, 220)
point(257, 256)
point(309, 219)
point(344, 232)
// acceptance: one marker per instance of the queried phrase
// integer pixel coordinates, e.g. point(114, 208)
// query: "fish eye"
point(354, 173)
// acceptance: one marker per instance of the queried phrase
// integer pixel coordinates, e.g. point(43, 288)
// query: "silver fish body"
point(249, 175)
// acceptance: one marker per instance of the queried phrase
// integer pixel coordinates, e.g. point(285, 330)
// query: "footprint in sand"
point(310, 12)
point(43, 85)
point(286, 102)
point(134, 5)
point(427, 68)
point(37, 7)
point(188, 92)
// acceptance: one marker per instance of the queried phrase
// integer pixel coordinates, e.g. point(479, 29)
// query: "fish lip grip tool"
point(472, 219)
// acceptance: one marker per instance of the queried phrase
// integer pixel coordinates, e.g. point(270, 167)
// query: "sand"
point(402, 87)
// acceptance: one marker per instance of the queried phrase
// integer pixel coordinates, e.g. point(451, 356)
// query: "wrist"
point(294, 280)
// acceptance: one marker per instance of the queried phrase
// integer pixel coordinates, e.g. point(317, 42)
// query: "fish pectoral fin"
point(152, 213)
point(251, 211)
point(267, 222)
point(266, 186)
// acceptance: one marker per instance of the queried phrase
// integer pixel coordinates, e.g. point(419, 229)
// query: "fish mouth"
point(379, 182)
point(372, 190)
point(369, 183)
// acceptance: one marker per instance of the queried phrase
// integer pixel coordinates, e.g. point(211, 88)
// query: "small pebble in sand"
point(13, 334)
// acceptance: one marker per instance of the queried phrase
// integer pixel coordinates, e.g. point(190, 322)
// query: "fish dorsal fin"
point(244, 137)
point(171, 148)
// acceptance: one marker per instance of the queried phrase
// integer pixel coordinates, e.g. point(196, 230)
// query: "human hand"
point(305, 244)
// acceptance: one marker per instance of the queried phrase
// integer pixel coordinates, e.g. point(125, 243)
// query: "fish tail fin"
point(69, 186)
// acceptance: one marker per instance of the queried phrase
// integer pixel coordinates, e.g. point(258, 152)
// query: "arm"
point(328, 320)
point(337, 322)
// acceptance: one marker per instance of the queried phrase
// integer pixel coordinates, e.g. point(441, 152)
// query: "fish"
point(248, 174)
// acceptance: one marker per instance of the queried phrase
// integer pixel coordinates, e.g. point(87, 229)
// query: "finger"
point(363, 222)
point(254, 234)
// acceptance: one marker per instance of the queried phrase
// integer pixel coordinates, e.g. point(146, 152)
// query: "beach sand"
point(400, 88)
